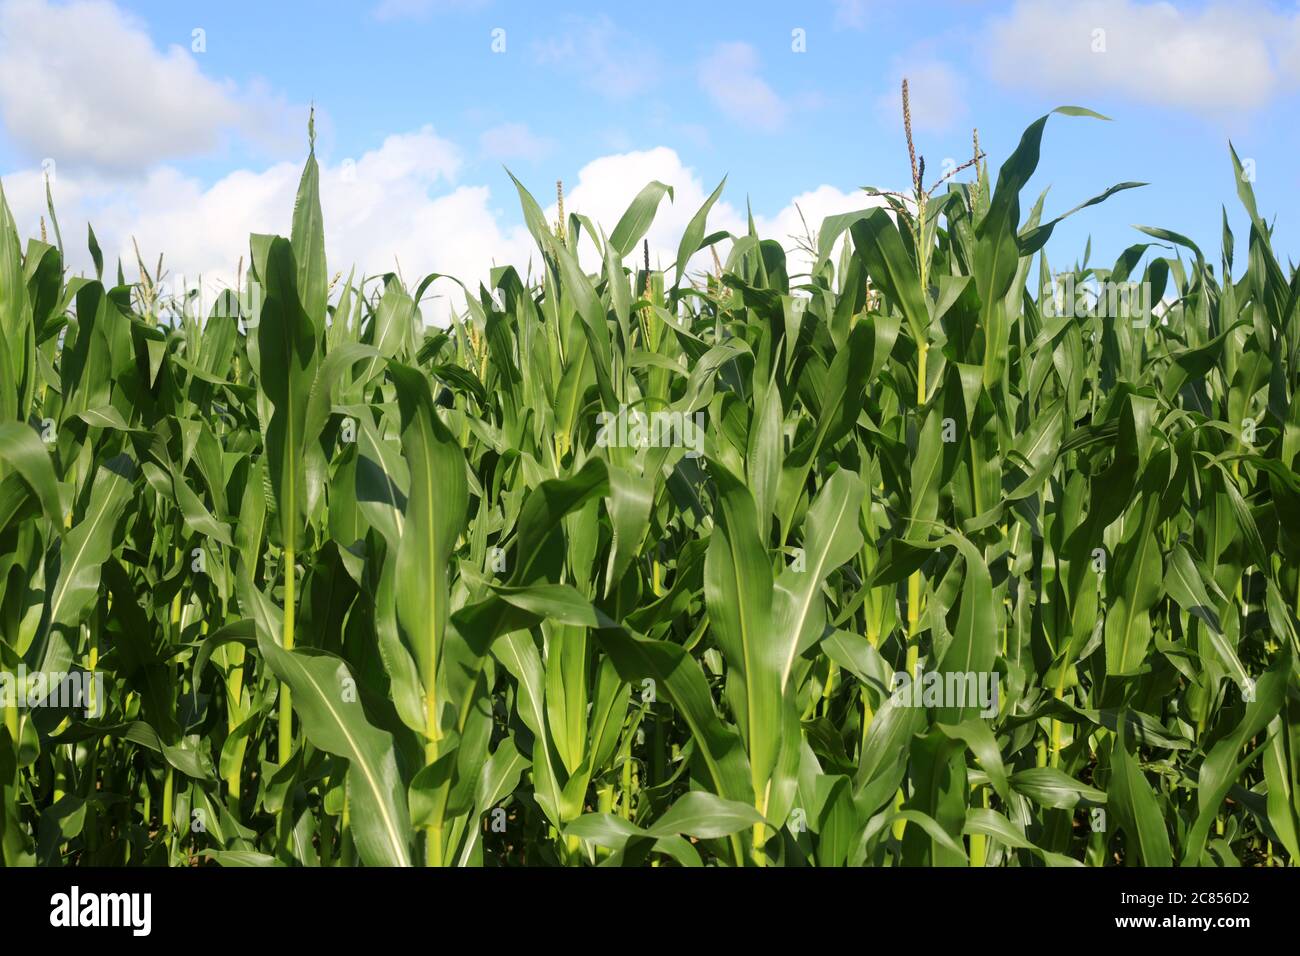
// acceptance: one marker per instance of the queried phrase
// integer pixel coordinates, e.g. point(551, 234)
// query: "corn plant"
point(640, 566)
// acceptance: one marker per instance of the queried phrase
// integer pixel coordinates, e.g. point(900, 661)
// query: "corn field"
point(918, 554)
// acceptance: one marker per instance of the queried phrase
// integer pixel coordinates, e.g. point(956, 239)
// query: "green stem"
point(626, 806)
point(11, 717)
point(147, 814)
point(1056, 723)
point(433, 836)
point(914, 579)
point(760, 839)
point(979, 843)
point(868, 713)
point(168, 788)
point(433, 848)
point(345, 828)
point(286, 701)
point(234, 715)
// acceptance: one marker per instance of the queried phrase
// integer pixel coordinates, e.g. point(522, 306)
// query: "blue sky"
point(189, 141)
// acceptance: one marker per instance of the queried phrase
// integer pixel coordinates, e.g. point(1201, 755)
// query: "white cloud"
point(608, 59)
point(514, 141)
point(934, 92)
point(1216, 58)
point(606, 186)
point(789, 227)
point(730, 77)
point(397, 204)
point(83, 84)
point(400, 203)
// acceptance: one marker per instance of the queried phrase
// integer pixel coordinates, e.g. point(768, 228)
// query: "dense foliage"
point(356, 589)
